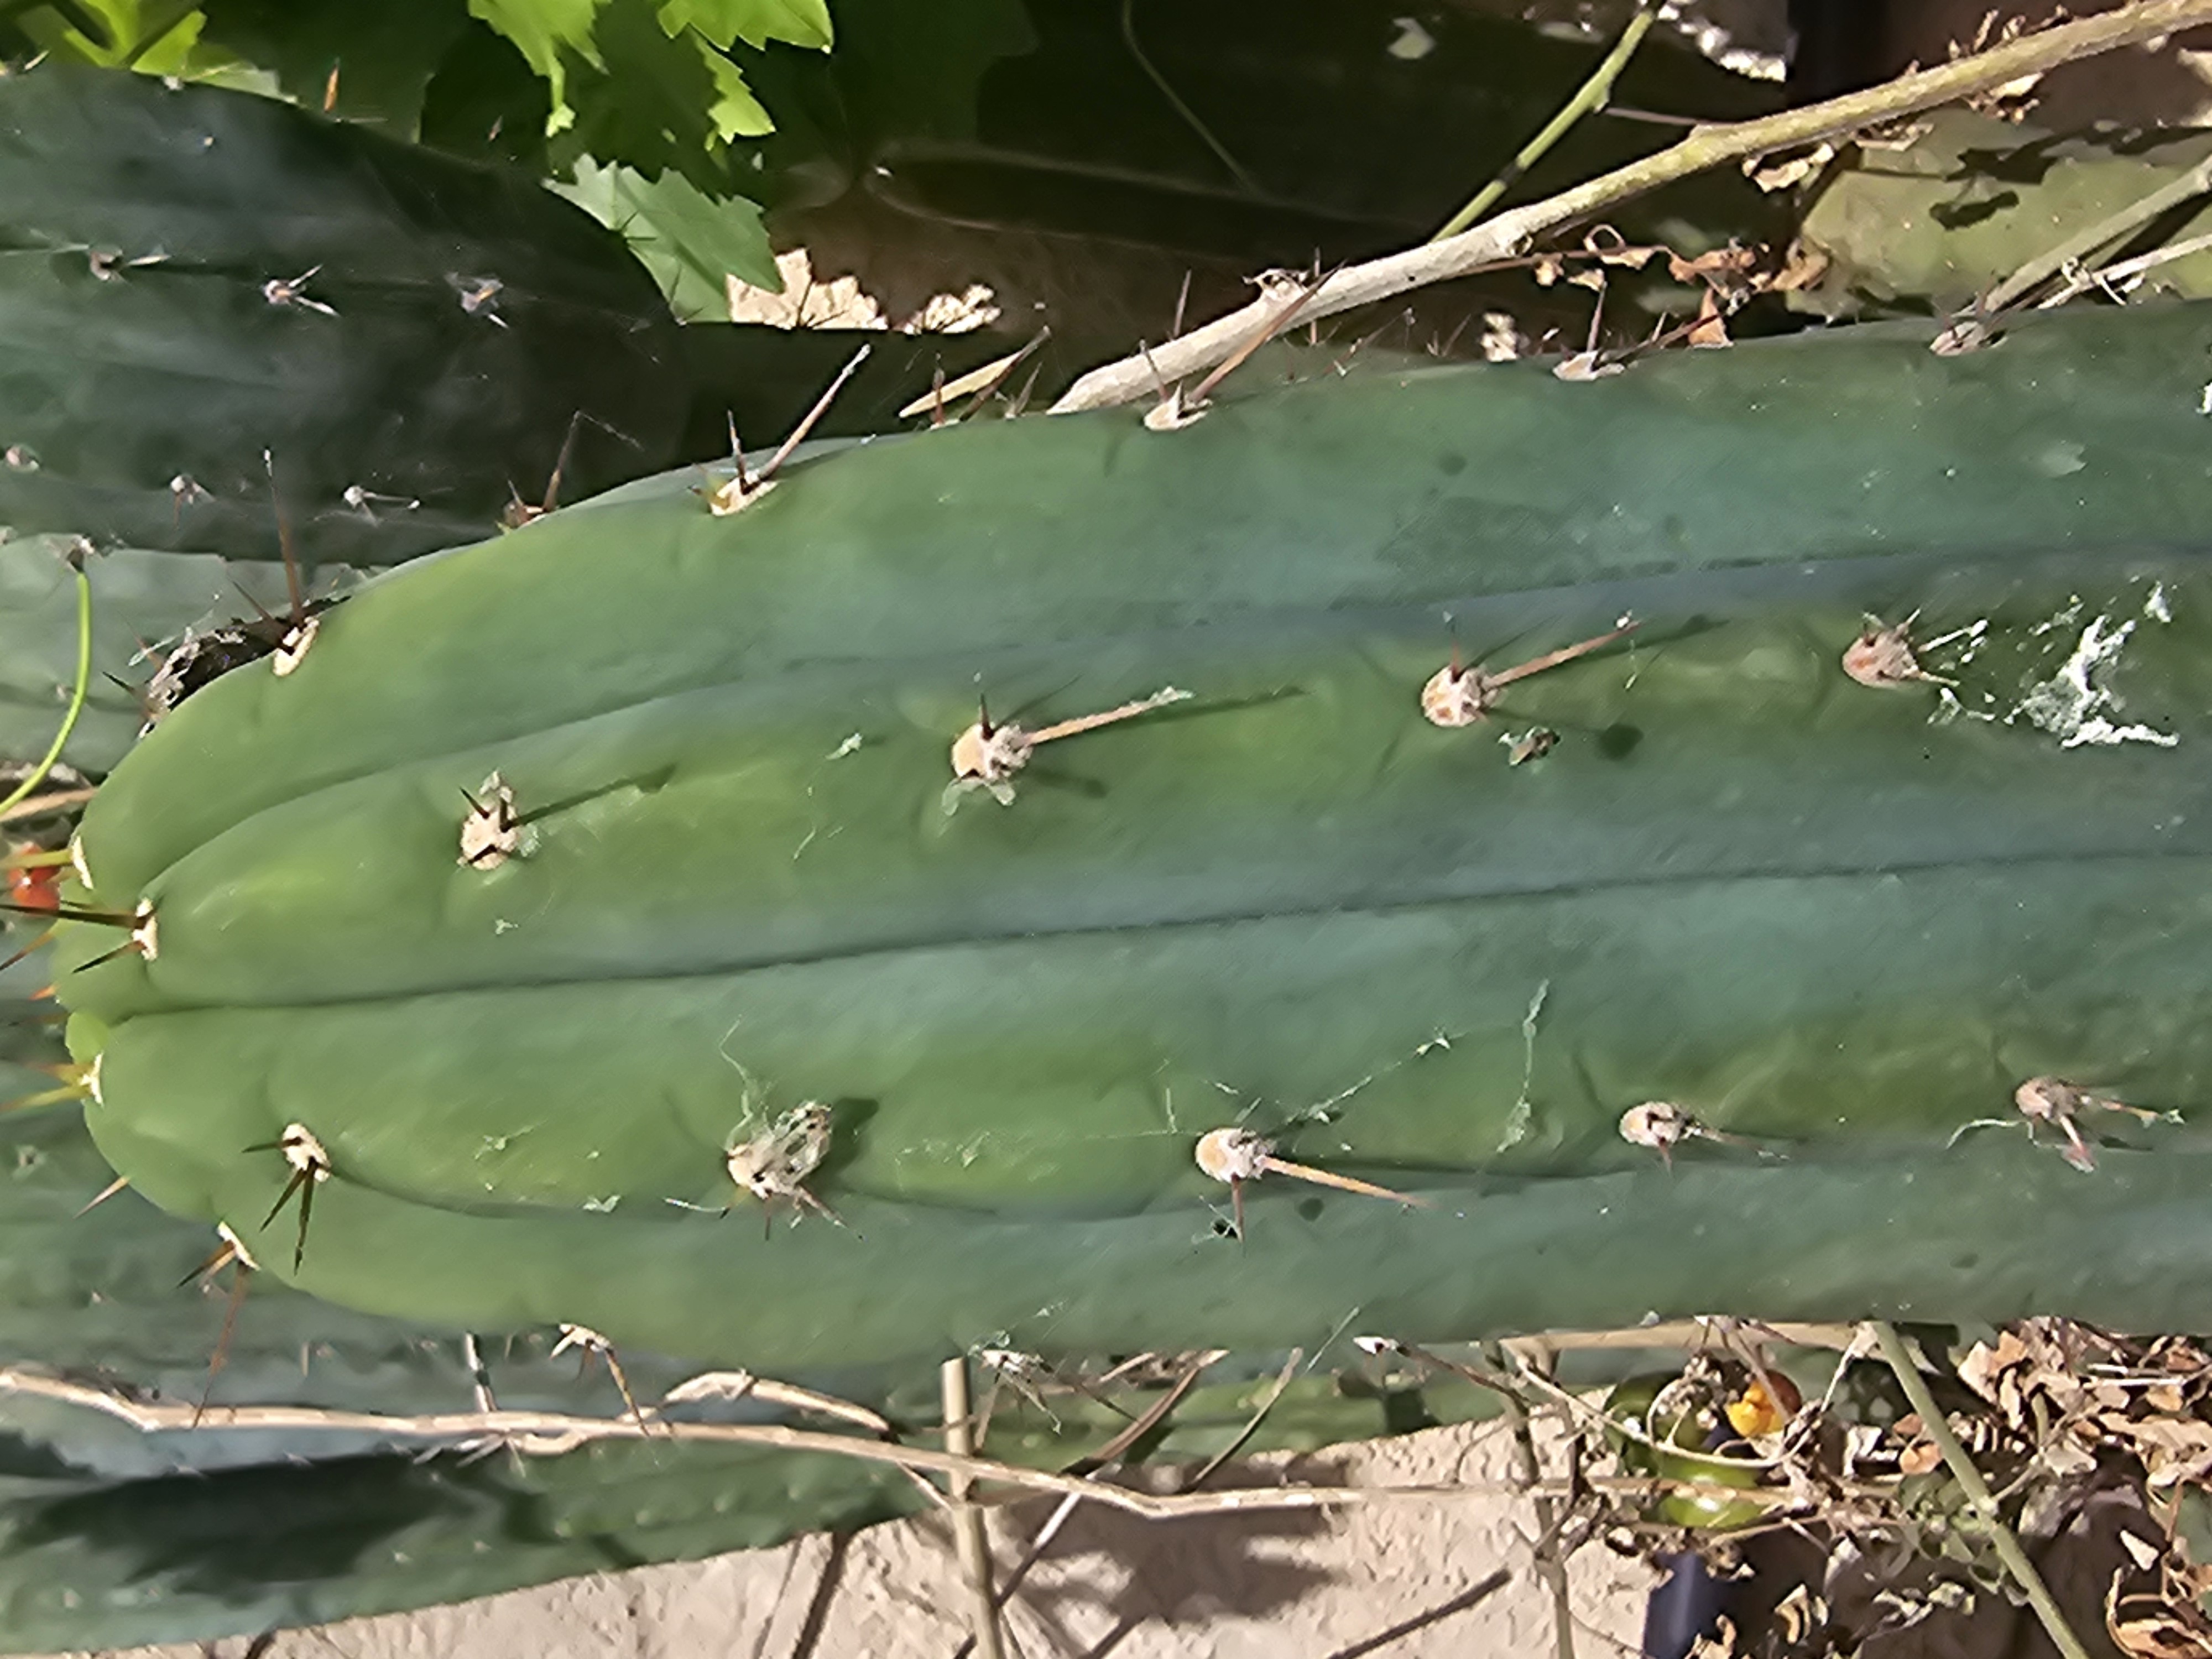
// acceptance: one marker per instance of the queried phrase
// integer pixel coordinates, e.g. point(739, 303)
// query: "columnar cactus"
point(199, 277)
point(1883, 808)
point(110, 1537)
point(203, 274)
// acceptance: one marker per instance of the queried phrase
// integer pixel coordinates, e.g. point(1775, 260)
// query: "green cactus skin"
point(1811, 912)
point(143, 346)
point(460, 318)
point(109, 1537)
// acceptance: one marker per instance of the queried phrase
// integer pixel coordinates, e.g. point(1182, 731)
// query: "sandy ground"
point(1401, 1578)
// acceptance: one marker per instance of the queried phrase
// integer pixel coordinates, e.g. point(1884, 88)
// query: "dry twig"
point(2123, 222)
point(549, 1433)
point(968, 1538)
point(1511, 233)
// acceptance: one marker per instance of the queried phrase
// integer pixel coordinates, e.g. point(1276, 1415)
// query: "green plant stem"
point(1508, 234)
point(1938, 1428)
point(37, 775)
point(1591, 96)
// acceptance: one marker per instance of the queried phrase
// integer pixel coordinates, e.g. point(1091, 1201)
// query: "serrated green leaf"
point(654, 103)
point(688, 240)
point(756, 22)
point(735, 113)
point(155, 36)
point(544, 28)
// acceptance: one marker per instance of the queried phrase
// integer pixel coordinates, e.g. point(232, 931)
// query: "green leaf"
point(156, 36)
point(688, 240)
point(756, 22)
point(735, 113)
point(654, 102)
point(544, 28)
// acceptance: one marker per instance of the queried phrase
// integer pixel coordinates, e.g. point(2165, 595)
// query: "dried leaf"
point(2145, 1626)
point(1803, 266)
point(1711, 327)
point(1612, 249)
point(1919, 1458)
point(1584, 365)
point(2179, 1353)
point(2067, 1457)
point(1733, 261)
point(2181, 1436)
point(1862, 1441)
point(1792, 169)
point(1170, 414)
point(1799, 1614)
point(1501, 341)
point(1979, 1370)
point(1968, 334)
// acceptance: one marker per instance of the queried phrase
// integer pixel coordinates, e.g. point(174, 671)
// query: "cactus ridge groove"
point(1837, 920)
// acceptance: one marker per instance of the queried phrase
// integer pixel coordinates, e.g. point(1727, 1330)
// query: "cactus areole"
point(751, 942)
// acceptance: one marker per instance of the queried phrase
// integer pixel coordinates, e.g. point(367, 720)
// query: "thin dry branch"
point(1593, 1416)
point(2115, 225)
point(1551, 1566)
point(1138, 1428)
point(547, 1433)
point(2081, 280)
point(1706, 147)
point(968, 1534)
point(38, 806)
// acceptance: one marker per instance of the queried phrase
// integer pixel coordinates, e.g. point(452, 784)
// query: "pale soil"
point(1399, 1578)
